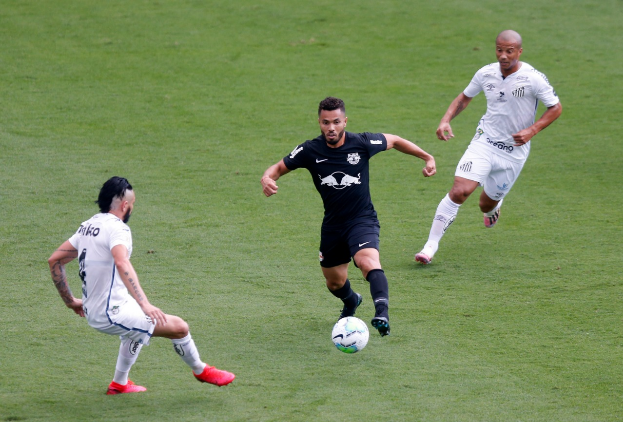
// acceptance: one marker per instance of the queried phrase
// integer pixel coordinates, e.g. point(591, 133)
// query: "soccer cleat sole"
point(382, 325)
point(423, 258)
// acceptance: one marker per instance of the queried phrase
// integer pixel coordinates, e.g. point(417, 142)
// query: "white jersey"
point(103, 291)
point(511, 107)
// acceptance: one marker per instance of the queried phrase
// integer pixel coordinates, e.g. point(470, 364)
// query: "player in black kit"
point(338, 163)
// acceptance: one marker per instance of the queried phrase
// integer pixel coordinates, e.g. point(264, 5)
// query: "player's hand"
point(155, 314)
point(444, 131)
point(269, 186)
point(430, 168)
point(523, 136)
point(76, 306)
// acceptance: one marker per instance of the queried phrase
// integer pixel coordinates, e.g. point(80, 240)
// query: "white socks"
point(444, 216)
point(185, 347)
point(128, 352)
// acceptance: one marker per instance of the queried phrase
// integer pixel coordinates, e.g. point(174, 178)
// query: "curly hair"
point(331, 103)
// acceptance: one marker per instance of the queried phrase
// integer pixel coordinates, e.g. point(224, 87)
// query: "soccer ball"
point(350, 334)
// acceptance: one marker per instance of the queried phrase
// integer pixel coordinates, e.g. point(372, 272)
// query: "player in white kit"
point(501, 144)
point(113, 301)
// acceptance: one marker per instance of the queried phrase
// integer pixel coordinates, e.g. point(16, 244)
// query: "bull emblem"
point(329, 181)
point(346, 180)
point(353, 158)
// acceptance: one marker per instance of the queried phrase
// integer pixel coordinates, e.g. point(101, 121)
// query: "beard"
point(336, 140)
point(126, 216)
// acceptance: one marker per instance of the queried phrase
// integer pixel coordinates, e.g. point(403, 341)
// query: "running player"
point(113, 301)
point(501, 145)
point(338, 163)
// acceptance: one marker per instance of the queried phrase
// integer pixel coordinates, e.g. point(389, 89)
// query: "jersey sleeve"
point(74, 239)
point(544, 91)
point(474, 87)
point(296, 159)
point(120, 235)
point(374, 142)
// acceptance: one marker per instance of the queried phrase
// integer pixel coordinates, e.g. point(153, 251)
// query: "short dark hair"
point(115, 187)
point(331, 103)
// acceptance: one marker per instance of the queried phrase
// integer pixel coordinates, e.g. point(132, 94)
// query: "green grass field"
point(192, 100)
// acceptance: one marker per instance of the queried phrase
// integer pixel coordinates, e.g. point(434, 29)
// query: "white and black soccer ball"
point(350, 335)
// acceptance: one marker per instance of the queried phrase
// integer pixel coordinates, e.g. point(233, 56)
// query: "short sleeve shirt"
point(511, 107)
point(341, 175)
point(102, 288)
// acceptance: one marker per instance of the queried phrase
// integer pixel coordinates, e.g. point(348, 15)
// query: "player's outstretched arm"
point(270, 177)
point(130, 279)
point(64, 254)
point(460, 103)
point(408, 147)
point(551, 114)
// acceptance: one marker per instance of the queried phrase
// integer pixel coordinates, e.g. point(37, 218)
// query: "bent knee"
point(462, 189)
point(368, 264)
point(181, 329)
point(335, 283)
point(175, 328)
point(458, 195)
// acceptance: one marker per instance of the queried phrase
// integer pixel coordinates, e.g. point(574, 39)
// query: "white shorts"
point(128, 321)
point(496, 174)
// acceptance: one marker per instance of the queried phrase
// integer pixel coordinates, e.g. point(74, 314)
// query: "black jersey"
point(341, 175)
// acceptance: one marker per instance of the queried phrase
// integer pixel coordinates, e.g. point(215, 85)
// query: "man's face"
point(508, 53)
point(332, 125)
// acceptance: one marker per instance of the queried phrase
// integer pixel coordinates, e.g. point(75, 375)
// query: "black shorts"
point(338, 246)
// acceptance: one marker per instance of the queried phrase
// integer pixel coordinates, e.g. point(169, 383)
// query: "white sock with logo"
point(490, 213)
point(128, 353)
point(185, 347)
point(444, 216)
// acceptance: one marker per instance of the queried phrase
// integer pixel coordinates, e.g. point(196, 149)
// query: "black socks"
point(379, 289)
point(345, 293)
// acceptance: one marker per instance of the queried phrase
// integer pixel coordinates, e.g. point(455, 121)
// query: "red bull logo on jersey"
point(340, 180)
point(353, 158)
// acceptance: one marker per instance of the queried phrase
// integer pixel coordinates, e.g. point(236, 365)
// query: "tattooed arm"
point(130, 279)
point(64, 254)
point(459, 104)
